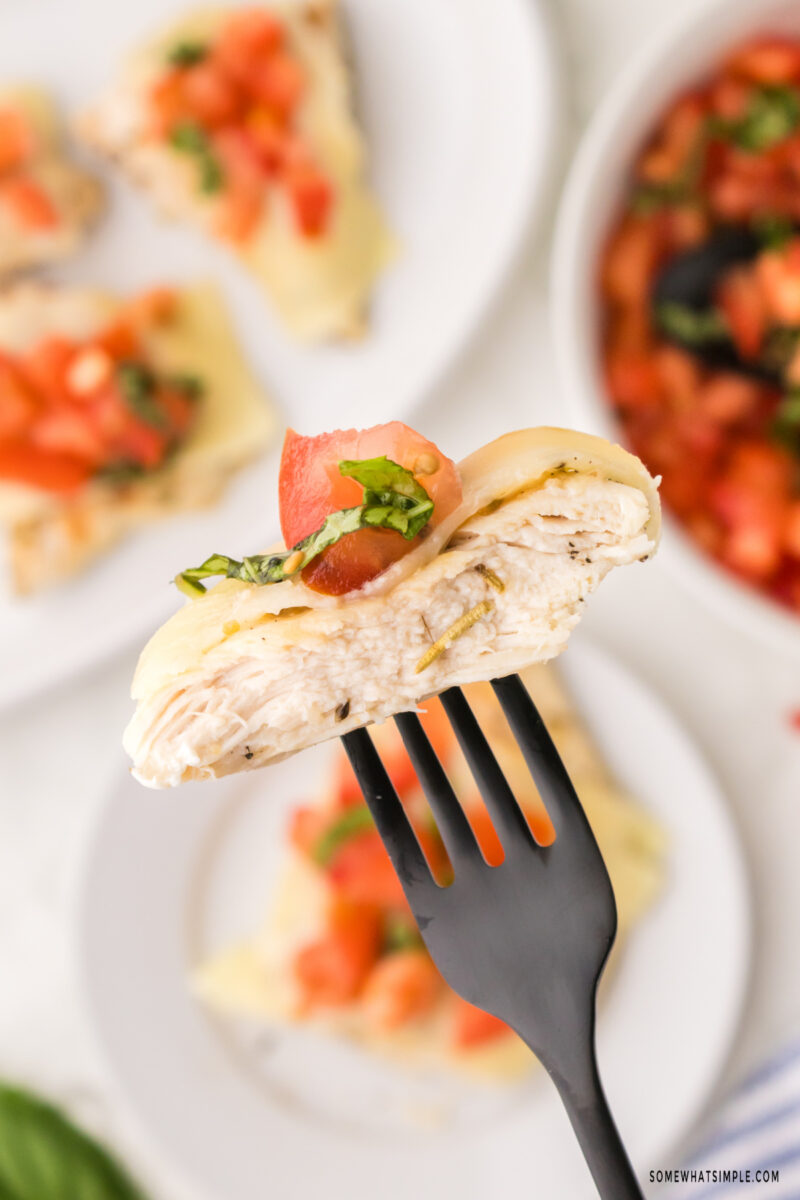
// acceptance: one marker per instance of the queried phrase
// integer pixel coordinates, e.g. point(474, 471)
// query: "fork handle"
point(599, 1138)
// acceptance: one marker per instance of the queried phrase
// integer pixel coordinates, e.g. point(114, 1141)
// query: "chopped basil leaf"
point(773, 115)
point(138, 384)
point(692, 326)
point(773, 230)
point(186, 54)
point(786, 422)
point(393, 499)
point(43, 1156)
point(780, 347)
point(401, 934)
point(350, 824)
point(190, 138)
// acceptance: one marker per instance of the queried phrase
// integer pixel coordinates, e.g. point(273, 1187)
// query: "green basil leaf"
point(190, 138)
point(43, 1156)
point(393, 499)
point(773, 114)
point(186, 54)
point(138, 385)
point(350, 824)
point(786, 422)
point(692, 326)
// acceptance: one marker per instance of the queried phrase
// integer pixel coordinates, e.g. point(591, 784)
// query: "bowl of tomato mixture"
point(698, 146)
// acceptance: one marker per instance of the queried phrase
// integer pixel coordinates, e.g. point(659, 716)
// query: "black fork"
point(526, 940)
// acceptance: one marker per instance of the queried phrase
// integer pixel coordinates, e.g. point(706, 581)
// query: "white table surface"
point(59, 752)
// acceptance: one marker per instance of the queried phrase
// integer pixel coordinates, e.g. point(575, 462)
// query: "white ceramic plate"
point(459, 108)
point(671, 61)
point(170, 877)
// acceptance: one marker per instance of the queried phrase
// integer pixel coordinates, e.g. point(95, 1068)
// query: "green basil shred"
point(350, 824)
point(190, 138)
point(692, 326)
point(187, 53)
point(393, 499)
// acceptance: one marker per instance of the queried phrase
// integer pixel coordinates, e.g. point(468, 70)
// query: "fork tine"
point(450, 817)
point(389, 815)
point(543, 760)
point(507, 817)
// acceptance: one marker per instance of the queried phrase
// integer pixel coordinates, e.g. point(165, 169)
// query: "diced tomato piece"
point(119, 341)
point(332, 969)
point(679, 375)
point(778, 274)
point(168, 105)
point(630, 260)
point(762, 467)
point(210, 95)
point(43, 469)
point(726, 398)
point(310, 488)
point(30, 203)
point(770, 60)
point(142, 444)
point(676, 141)
point(362, 872)
point(401, 988)
point(754, 549)
point(16, 140)
point(239, 213)
point(730, 98)
point(794, 719)
point(311, 195)
point(633, 380)
point(45, 368)
point(269, 137)
point(740, 298)
point(18, 406)
point(69, 430)
point(279, 82)
point(687, 225)
point(472, 1026)
point(247, 38)
point(733, 197)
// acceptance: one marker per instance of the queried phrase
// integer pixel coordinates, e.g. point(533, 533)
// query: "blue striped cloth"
point(756, 1130)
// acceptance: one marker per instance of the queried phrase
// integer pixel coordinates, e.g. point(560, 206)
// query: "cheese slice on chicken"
point(248, 673)
point(52, 536)
point(47, 203)
point(319, 285)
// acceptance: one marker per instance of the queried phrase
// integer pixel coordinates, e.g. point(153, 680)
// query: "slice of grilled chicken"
point(249, 674)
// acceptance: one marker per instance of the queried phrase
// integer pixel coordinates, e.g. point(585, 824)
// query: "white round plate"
point(459, 108)
point(171, 877)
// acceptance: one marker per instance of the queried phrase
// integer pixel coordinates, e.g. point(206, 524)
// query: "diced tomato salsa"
point(71, 410)
point(369, 951)
point(21, 195)
point(725, 153)
point(231, 104)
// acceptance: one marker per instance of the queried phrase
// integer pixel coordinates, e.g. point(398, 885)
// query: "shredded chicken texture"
point(282, 682)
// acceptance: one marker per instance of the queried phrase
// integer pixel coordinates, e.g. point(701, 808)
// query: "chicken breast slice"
point(506, 591)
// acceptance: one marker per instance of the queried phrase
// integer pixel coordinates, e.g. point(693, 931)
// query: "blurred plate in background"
point(170, 877)
point(460, 112)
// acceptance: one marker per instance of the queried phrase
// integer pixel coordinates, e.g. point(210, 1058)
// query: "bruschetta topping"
point(341, 516)
point(231, 106)
point(72, 410)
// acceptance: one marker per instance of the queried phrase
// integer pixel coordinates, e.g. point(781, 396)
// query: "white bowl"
point(680, 54)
